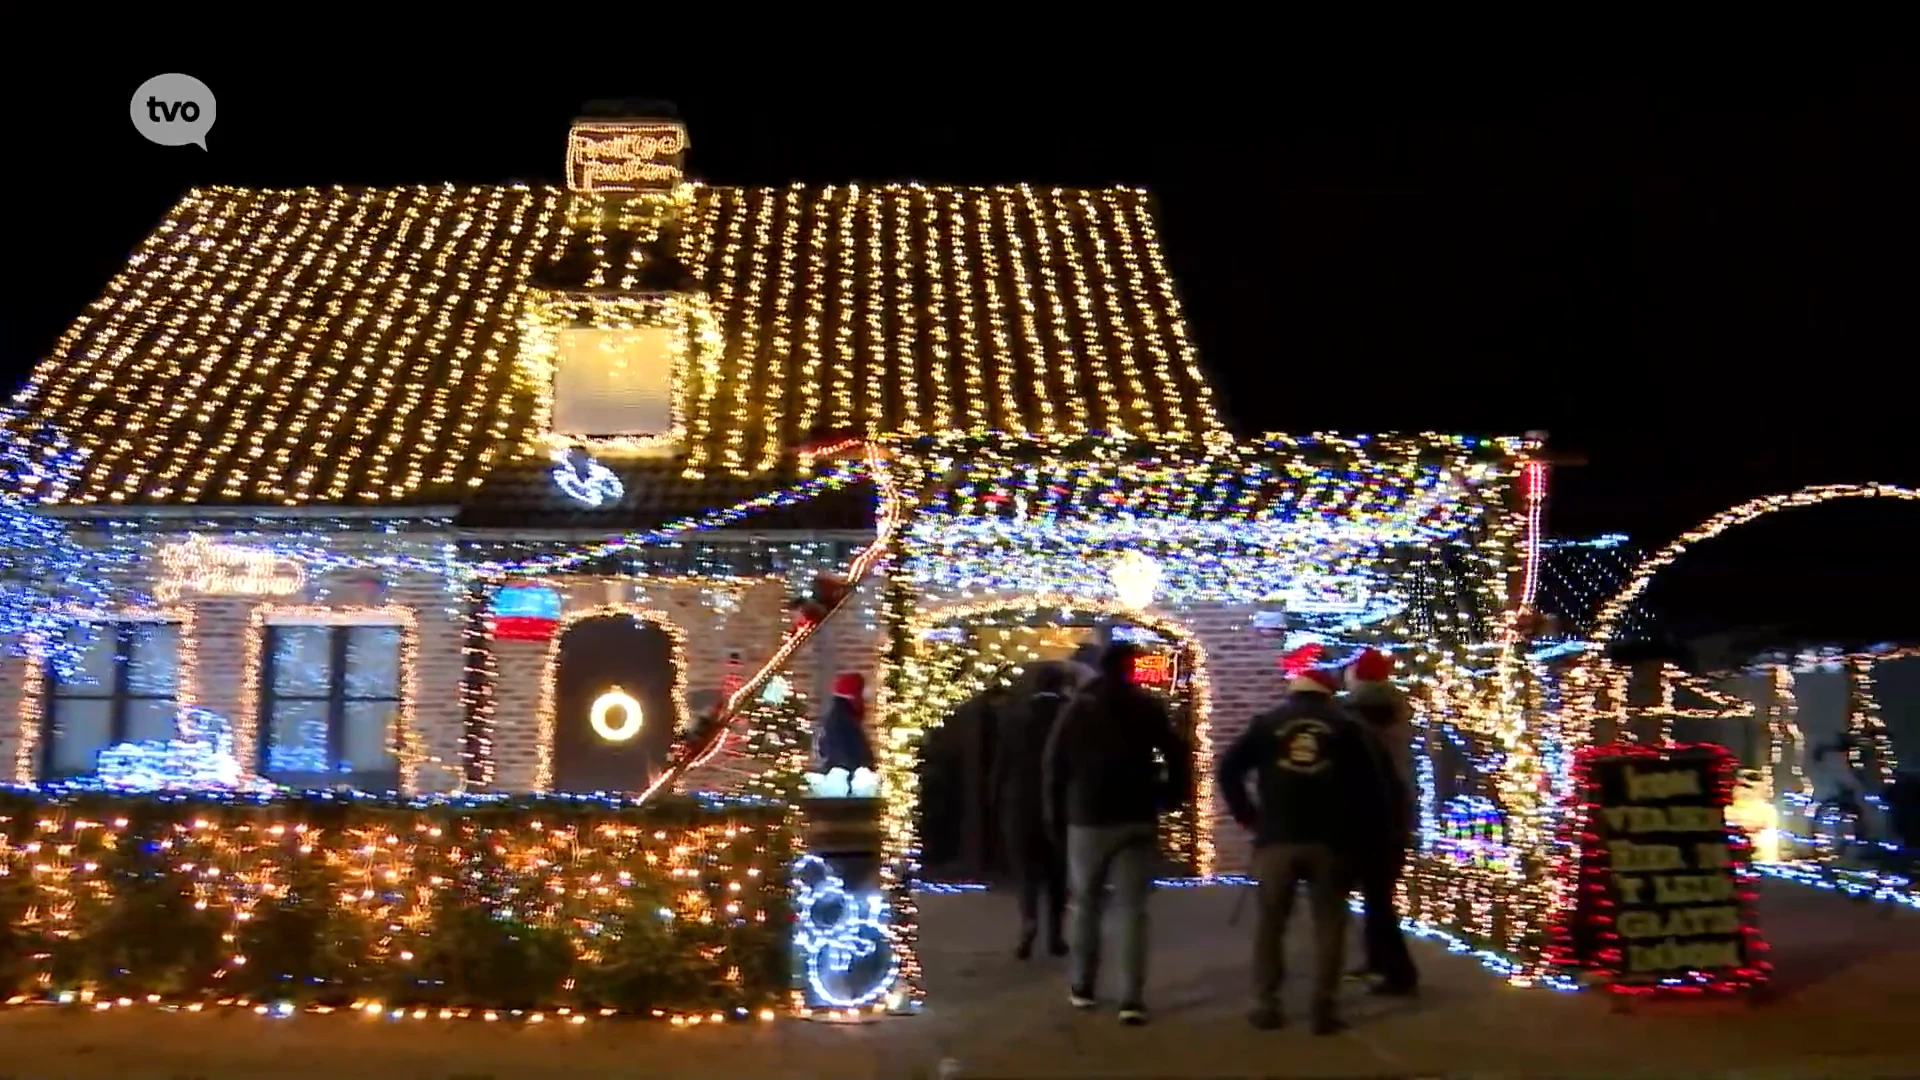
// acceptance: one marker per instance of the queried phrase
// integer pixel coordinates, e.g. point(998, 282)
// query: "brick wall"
point(224, 685)
point(753, 629)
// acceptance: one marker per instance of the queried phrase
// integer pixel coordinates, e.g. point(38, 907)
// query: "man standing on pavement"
point(1322, 802)
point(1384, 711)
point(1104, 781)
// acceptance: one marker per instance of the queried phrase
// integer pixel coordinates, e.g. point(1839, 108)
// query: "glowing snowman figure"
point(1135, 579)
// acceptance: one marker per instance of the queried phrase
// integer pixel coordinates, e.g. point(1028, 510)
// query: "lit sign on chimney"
point(622, 155)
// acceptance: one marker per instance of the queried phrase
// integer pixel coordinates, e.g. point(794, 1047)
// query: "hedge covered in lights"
point(677, 908)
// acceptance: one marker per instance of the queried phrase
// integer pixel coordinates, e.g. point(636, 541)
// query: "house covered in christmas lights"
point(526, 489)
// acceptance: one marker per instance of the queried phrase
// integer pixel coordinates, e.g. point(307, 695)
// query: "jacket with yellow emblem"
point(1318, 777)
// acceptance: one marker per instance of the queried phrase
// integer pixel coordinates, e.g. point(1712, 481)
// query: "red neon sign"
point(1152, 669)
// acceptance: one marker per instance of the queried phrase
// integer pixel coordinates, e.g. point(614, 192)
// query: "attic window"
point(613, 383)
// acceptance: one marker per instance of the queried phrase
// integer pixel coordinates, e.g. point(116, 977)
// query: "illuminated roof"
point(336, 346)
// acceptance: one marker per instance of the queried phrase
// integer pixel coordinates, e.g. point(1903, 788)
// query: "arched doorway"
point(615, 695)
point(970, 662)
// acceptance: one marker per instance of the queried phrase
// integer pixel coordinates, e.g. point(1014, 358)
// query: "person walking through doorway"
point(1385, 712)
point(1321, 802)
point(1103, 781)
point(1036, 855)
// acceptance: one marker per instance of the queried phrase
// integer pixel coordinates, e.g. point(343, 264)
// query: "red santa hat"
point(1314, 681)
point(1371, 666)
point(849, 684)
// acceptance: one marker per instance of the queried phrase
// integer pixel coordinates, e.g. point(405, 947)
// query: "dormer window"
point(613, 383)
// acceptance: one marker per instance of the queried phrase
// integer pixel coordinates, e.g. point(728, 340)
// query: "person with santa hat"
point(1320, 803)
point(1385, 712)
point(843, 728)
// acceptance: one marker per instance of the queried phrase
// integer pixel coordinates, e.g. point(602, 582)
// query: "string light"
point(202, 566)
point(33, 717)
point(548, 713)
point(835, 930)
point(403, 739)
point(595, 879)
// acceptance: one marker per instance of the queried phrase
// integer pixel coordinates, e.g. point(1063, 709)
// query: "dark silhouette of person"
point(1036, 854)
point(1104, 780)
point(1322, 804)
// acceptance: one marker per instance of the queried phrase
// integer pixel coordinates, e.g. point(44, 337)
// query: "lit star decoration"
point(843, 938)
point(585, 480)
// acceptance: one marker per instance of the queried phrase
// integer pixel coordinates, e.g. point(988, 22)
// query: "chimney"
point(628, 146)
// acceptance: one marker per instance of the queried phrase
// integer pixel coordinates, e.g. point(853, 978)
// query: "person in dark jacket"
point(1385, 712)
point(1321, 802)
point(1104, 779)
point(843, 730)
point(1037, 855)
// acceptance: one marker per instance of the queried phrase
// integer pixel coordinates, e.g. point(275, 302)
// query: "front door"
point(614, 711)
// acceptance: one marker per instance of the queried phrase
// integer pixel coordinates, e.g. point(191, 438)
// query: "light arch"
point(932, 698)
point(1607, 619)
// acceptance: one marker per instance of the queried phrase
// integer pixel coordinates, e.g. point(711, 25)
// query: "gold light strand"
point(905, 329)
point(327, 396)
point(1065, 366)
point(1006, 361)
point(843, 368)
point(256, 369)
point(818, 209)
point(936, 310)
point(877, 372)
point(978, 416)
point(421, 470)
point(224, 320)
point(1145, 308)
point(268, 481)
point(1607, 620)
point(33, 703)
point(701, 423)
point(375, 401)
point(211, 284)
point(1137, 397)
point(548, 714)
point(361, 284)
point(445, 279)
point(1093, 350)
point(773, 402)
point(1206, 418)
point(404, 740)
point(747, 341)
point(101, 324)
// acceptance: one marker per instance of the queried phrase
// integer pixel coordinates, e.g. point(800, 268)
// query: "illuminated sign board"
point(525, 613)
point(625, 155)
point(210, 569)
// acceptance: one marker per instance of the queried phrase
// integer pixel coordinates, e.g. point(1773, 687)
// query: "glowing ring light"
point(630, 715)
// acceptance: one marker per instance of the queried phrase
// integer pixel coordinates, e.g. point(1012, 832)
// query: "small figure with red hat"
point(1386, 714)
point(1319, 804)
point(843, 729)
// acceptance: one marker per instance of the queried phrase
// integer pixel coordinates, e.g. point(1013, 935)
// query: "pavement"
point(1847, 987)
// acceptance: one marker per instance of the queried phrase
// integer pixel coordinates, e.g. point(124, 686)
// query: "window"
point(330, 697)
point(126, 689)
point(613, 383)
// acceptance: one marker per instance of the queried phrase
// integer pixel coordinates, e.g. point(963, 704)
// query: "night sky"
point(1699, 275)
